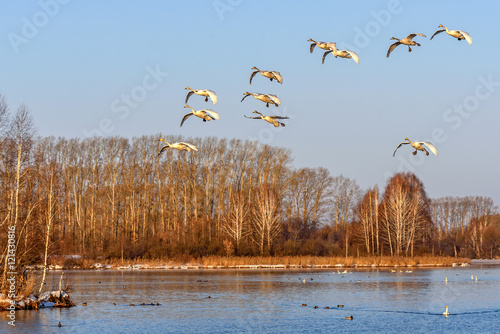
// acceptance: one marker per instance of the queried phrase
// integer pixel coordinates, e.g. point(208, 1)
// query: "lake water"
point(270, 301)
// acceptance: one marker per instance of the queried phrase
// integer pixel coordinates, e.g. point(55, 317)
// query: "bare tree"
point(236, 220)
point(21, 134)
point(345, 194)
point(405, 212)
point(266, 217)
point(368, 222)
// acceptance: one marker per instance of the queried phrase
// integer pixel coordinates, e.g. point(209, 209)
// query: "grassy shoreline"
point(235, 262)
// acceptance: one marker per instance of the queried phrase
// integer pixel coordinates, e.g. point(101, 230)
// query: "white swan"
point(340, 53)
point(268, 74)
point(322, 45)
point(266, 98)
point(418, 146)
point(181, 146)
point(269, 119)
point(205, 114)
point(405, 41)
point(446, 313)
point(459, 34)
point(202, 92)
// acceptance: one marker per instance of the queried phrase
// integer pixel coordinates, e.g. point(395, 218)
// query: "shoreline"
point(221, 263)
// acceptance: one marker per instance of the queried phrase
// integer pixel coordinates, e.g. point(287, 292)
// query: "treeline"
point(114, 197)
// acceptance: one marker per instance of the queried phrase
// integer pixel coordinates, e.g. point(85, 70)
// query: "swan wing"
point(277, 76)
point(410, 36)
point(253, 74)
point(191, 146)
point(353, 55)
point(244, 97)
point(212, 96)
point(400, 144)
point(163, 149)
point(430, 146)
point(324, 55)
point(466, 36)
point(311, 48)
point(212, 113)
point(274, 98)
point(279, 117)
point(186, 117)
point(437, 32)
point(392, 47)
point(188, 95)
point(251, 117)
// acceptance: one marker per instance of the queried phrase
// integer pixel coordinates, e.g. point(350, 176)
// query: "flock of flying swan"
point(329, 47)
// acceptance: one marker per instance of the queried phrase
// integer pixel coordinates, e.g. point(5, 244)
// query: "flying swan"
point(202, 92)
point(459, 34)
point(405, 41)
point(205, 114)
point(340, 53)
point(418, 146)
point(322, 45)
point(269, 119)
point(178, 146)
point(268, 74)
point(266, 98)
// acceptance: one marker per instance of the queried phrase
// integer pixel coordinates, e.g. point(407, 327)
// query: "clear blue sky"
point(81, 65)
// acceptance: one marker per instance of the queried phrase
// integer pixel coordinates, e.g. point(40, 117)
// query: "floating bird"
point(340, 53)
point(202, 92)
point(205, 114)
point(322, 45)
point(405, 41)
point(181, 146)
point(315, 307)
point(269, 119)
point(268, 74)
point(84, 304)
point(446, 313)
point(266, 98)
point(114, 303)
point(131, 304)
point(418, 146)
point(340, 305)
point(349, 317)
point(304, 304)
point(446, 279)
point(459, 34)
point(471, 276)
point(59, 324)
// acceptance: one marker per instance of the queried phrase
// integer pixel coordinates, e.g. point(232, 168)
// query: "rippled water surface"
point(270, 301)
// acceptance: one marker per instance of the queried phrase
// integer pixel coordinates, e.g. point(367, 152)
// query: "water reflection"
point(271, 301)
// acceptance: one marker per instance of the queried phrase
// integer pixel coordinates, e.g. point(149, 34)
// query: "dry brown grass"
point(287, 261)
